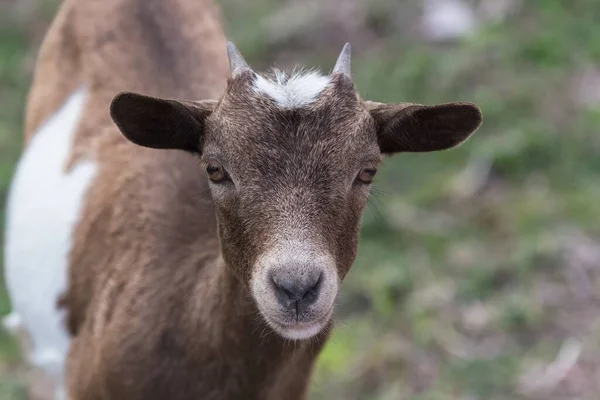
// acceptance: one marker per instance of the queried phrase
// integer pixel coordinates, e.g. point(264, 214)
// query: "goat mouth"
point(300, 330)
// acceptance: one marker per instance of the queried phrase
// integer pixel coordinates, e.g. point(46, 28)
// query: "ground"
point(479, 268)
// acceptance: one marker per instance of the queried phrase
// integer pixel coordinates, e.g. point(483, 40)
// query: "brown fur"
point(159, 302)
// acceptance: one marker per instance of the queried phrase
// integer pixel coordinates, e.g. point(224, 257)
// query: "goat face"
point(289, 186)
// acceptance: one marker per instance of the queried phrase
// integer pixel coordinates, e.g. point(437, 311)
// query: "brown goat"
point(187, 269)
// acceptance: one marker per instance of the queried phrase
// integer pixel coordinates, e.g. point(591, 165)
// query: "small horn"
point(342, 65)
point(236, 61)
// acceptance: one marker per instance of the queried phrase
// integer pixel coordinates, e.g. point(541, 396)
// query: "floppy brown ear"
point(161, 123)
point(407, 127)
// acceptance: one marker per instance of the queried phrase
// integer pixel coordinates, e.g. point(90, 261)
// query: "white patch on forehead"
point(43, 209)
point(297, 90)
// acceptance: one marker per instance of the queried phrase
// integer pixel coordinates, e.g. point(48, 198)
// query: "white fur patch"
point(297, 90)
point(44, 206)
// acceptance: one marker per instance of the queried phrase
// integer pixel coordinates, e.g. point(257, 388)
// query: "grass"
point(478, 263)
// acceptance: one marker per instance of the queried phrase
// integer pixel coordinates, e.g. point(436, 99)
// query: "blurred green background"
point(478, 275)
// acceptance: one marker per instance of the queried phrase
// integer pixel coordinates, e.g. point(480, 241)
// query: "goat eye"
point(366, 175)
point(216, 173)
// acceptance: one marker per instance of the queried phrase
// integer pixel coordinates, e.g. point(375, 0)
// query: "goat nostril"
point(288, 292)
point(314, 289)
point(283, 290)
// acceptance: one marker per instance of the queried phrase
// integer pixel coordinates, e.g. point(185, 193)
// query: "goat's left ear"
point(161, 123)
point(406, 127)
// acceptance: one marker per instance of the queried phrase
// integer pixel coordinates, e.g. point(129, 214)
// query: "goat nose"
point(297, 290)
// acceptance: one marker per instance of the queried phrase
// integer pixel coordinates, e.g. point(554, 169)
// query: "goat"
point(186, 241)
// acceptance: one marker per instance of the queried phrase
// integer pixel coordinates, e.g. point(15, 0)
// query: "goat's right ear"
point(161, 123)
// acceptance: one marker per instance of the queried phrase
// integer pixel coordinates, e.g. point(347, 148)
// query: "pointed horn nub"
point(342, 65)
point(236, 61)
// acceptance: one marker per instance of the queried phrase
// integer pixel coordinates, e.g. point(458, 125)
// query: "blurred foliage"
point(478, 267)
